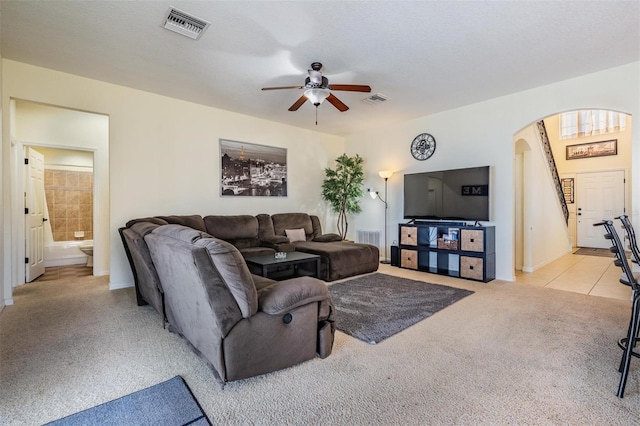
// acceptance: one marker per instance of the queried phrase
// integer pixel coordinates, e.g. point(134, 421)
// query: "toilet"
point(88, 250)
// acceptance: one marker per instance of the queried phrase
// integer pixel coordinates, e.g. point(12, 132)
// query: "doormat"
point(587, 251)
point(167, 403)
point(374, 307)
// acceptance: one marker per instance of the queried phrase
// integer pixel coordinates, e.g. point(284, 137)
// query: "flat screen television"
point(460, 194)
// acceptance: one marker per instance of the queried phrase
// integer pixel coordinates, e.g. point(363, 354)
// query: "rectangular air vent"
point(368, 237)
point(375, 99)
point(185, 24)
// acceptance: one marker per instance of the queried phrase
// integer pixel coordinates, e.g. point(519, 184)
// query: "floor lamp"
point(385, 174)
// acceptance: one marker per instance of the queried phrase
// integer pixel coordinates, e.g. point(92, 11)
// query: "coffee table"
point(266, 263)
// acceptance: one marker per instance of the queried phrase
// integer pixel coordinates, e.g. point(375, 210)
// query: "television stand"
point(447, 248)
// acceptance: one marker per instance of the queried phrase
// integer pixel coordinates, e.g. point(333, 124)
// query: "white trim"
point(119, 286)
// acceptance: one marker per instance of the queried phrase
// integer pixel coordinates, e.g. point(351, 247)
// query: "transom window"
point(589, 122)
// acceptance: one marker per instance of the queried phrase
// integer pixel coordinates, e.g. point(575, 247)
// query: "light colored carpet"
point(510, 354)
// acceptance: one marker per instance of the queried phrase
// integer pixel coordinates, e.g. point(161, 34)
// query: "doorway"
point(60, 209)
point(599, 195)
point(49, 128)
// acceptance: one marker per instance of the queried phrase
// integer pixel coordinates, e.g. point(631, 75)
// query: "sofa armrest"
point(284, 296)
point(327, 238)
point(273, 241)
point(278, 243)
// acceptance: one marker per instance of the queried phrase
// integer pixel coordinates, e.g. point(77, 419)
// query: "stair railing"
point(544, 138)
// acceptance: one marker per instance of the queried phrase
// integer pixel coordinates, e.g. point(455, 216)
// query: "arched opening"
point(593, 181)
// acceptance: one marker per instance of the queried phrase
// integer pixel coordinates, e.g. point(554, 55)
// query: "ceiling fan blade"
point(350, 87)
point(283, 87)
point(337, 103)
point(297, 104)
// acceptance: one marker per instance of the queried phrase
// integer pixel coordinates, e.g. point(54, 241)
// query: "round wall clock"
point(423, 146)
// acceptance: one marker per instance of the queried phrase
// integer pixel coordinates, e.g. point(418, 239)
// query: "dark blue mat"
point(167, 403)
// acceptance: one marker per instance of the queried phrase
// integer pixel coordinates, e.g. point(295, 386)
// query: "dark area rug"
point(374, 307)
point(167, 403)
point(586, 251)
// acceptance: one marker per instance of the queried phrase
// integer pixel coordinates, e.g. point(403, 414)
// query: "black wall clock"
point(423, 146)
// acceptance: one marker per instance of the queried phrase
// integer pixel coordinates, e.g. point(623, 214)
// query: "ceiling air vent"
point(185, 24)
point(375, 99)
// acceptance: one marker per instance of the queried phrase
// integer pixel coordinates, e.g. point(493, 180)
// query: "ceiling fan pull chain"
point(316, 115)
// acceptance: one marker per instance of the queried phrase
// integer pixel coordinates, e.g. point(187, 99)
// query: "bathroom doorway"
point(59, 201)
point(75, 146)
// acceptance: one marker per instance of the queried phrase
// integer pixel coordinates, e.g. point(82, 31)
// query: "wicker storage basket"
point(447, 244)
point(472, 240)
point(409, 235)
point(409, 259)
point(471, 267)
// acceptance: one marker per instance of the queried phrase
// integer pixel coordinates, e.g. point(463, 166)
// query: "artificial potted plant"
point(342, 188)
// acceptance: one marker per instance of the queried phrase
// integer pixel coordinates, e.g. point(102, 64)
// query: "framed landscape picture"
point(252, 170)
point(592, 149)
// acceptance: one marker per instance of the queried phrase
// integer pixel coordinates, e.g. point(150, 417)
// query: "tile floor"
point(57, 272)
point(593, 275)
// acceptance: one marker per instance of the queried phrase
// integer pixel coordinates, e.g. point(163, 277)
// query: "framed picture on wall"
point(592, 149)
point(252, 170)
point(567, 190)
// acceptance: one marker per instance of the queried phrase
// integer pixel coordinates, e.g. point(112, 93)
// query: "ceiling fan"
point(317, 89)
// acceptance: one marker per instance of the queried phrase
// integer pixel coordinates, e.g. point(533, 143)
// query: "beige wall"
point(483, 134)
point(164, 153)
point(5, 275)
point(621, 161)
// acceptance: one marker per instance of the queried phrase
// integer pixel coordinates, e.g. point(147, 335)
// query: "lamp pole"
point(386, 259)
point(385, 174)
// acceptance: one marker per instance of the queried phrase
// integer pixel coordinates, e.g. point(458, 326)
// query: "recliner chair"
point(241, 330)
point(147, 283)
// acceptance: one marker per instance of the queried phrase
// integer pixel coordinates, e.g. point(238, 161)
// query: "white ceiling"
point(426, 56)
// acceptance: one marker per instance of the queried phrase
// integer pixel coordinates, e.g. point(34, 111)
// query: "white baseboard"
point(118, 286)
point(67, 260)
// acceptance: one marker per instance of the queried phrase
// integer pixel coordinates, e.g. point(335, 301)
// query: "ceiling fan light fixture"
point(317, 96)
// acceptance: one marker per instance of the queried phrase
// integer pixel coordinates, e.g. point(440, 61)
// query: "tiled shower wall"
point(69, 197)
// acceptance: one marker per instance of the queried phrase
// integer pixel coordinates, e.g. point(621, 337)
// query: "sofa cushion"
point(192, 221)
point(283, 221)
point(265, 227)
point(154, 220)
point(342, 260)
point(295, 235)
point(239, 230)
point(257, 251)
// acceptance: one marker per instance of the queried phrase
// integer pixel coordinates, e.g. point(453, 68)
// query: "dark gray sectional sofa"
point(191, 269)
point(266, 234)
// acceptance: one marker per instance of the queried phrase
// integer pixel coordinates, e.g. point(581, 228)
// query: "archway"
point(541, 232)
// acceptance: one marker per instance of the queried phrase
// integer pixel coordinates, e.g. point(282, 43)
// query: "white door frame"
point(19, 220)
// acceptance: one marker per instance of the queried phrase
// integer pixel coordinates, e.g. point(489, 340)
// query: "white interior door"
point(599, 195)
point(34, 203)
